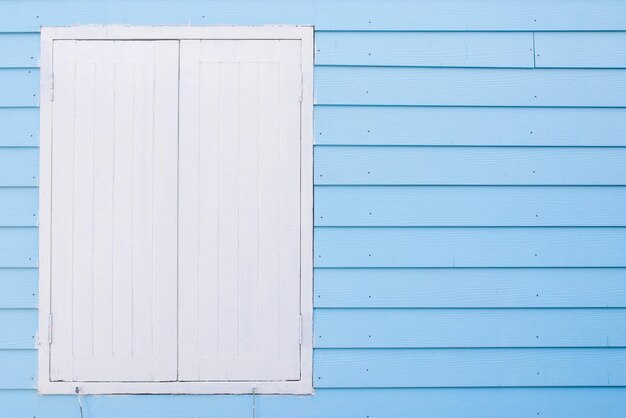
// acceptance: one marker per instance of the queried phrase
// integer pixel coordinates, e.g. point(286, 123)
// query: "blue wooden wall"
point(470, 205)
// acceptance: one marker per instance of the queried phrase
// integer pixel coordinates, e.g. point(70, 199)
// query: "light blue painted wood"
point(19, 167)
point(23, 16)
point(18, 206)
point(440, 287)
point(384, 328)
point(19, 369)
point(18, 247)
point(18, 288)
point(469, 87)
point(471, 288)
point(451, 403)
point(19, 50)
point(580, 49)
point(418, 328)
point(469, 367)
point(340, 403)
point(469, 206)
point(18, 328)
point(20, 87)
point(392, 125)
point(469, 166)
point(469, 49)
point(425, 49)
point(19, 127)
point(470, 247)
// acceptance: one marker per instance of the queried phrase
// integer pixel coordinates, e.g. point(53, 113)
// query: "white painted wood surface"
point(239, 203)
point(114, 218)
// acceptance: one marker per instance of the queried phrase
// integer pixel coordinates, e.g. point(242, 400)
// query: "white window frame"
point(302, 33)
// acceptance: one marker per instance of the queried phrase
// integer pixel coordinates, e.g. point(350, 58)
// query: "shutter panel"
point(114, 211)
point(239, 210)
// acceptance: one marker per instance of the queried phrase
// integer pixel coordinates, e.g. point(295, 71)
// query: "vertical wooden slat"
point(83, 250)
point(248, 189)
point(188, 214)
point(142, 214)
point(289, 211)
point(269, 133)
point(62, 195)
point(104, 152)
point(123, 182)
point(228, 238)
point(208, 210)
point(165, 211)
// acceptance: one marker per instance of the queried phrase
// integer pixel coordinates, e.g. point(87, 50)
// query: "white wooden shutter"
point(114, 214)
point(239, 210)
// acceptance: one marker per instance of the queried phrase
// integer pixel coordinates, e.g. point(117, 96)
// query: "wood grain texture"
point(20, 87)
point(446, 206)
point(480, 126)
point(425, 49)
point(327, 14)
point(18, 206)
point(342, 403)
point(18, 247)
point(18, 287)
point(469, 166)
point(19, 369)
point(19, 50)
point(469, 247)
point(580, 50)
point(470, 206)
point(463, 328)
point(470, 288)
point(19, 166)
point(466, 367)
point(19, 126)
point(18, 329)
point(469, 87)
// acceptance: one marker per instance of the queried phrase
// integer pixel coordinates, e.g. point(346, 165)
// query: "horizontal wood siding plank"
point(483, 126)
point(469, 166)
point(470, 247)
point(450, 403)
point(468, 49)
point(341, 403)
point(19, 167)
point(420, 328)
point(19, 127)
point(18, 328)
point(470, 367)
point(18, 206)
point(19, 50)
point(19, 369)
point(580, 49)
point(18, 247)
point(20, 87)
point(471, 288)
point(462, 328)
point(20, 16)
point(469, 206)
point(18, 287)
point(425, 49)
point(469, 87)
